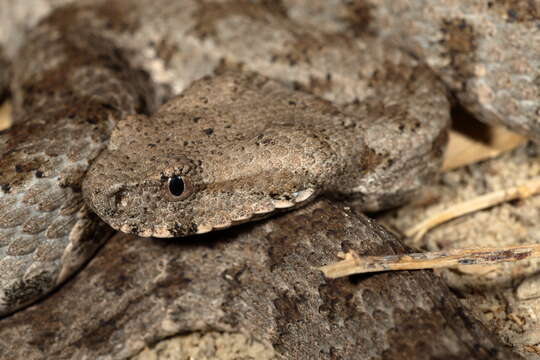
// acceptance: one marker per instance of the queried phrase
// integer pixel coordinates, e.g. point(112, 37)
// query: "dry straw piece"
point(522, 191)
point(464, 149)
point(352, 263)
point(5, 116)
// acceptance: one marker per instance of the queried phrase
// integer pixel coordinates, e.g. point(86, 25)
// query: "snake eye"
point(176, 188)
point(176, 185)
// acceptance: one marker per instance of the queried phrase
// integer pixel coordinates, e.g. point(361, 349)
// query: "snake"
point(176, 118)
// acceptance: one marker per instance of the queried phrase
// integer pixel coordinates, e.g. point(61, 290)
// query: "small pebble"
point(529, 288)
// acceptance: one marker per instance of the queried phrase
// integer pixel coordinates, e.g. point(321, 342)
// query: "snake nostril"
point(114, 202)
point(119, 200)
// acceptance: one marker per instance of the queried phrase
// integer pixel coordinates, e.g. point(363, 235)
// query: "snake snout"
point(115, 204)
point(107, 203)
point(118, 200)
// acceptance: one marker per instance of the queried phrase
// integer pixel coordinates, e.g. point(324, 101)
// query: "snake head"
point(192, 169)
point(168, 195)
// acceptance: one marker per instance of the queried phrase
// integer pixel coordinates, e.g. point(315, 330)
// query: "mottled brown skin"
point(92, 63)
point(486, 52)
point(259, 280)
point(244, 147)
point(68, 90)
point(235, 163)
point(85, 67)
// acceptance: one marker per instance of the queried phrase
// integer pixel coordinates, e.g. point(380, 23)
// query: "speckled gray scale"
point(91, 63)
point(244, 146)
point(259, 281)
point(486, 52)
point(67, 93)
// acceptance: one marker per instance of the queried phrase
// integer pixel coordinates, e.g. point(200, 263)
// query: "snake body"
point(68, 91)
point(341, 116)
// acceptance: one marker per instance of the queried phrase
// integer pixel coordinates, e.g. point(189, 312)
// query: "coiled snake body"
point(291, 112)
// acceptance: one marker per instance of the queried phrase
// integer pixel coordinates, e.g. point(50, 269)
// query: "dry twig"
point(352, 263)
point(522, 191)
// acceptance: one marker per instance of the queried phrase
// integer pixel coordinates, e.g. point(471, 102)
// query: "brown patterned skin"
point(92, 63)
point(486, 52)
point(243, 146)
point(258, 280)
point(67, 92)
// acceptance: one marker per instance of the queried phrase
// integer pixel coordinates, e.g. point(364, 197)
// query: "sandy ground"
point(506, 297)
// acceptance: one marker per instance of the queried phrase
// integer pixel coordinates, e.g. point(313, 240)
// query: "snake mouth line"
point(163, 231)
point(300, 198)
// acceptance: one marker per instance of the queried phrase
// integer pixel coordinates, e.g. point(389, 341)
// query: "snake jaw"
point(283, 204)
point(299, 198)
point(161, 232)
point(146, 233)
point(304, 195)
point(241, 219)
point(203, 229)
point(222, 226)
point(264, 209)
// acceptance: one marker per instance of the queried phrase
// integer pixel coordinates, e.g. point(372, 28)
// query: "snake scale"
point(174, 118)
point(240, 146)
point(290, 112)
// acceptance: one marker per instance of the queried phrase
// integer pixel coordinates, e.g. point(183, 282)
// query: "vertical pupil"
point(176, 185)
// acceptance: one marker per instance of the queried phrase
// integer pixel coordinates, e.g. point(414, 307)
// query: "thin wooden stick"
point(523, 191)
point(5, 115)
point(355, 264)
